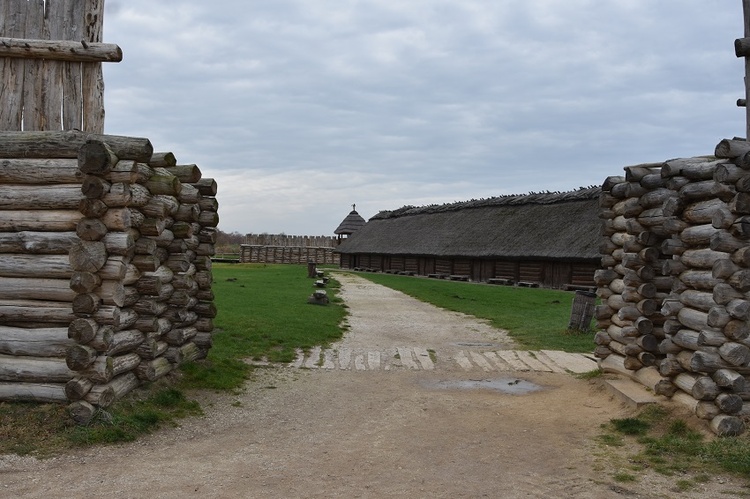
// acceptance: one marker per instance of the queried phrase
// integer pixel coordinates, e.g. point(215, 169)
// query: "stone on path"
point(463, 361)
point(512, 359)
point(479, 360)
point(528, 358)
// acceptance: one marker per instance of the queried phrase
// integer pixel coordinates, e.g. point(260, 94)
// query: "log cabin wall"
point(105, 278)
point(674, 278)
point(551, 274)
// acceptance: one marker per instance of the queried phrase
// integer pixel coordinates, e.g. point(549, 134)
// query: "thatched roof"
point(350, 224)
point(546, 226)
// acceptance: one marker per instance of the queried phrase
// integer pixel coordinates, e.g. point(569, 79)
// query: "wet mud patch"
point(512, 386)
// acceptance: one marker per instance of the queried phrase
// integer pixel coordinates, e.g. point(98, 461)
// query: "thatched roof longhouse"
point(560, 226)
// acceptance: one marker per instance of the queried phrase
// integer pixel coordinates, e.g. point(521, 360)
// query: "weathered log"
point(727, 426)
point(39, 220)
point(204, 324)
point(723, 293)
point(103, 338)
point(39, 171)
point(699, 279)
point(77, 388)
point(735, 354)
point(740, 203)
point(124, 384)
point(691, 318)
point(207, 186)
point(739, 309)
point(704, 361)
point(36, 289)
point(701, 409)
point(728, 173)
point(125, 341)
point(40, 311)
point(150, 350)
point(86, 303)
point(79, 357)
point(120, 195)
point(742, 256)
point(96, 157)
point(163, 182)
point(34, 369)
point(180, 336)
point(34, 342)
point(151, 370)
point(162, 159)
point(100, 395)
point(698, 235)
point(718, 317)
point(82, 412)
point(41, 197)
point(702, 258)
point(700, 300)
point(33, 392)
point(731, 148)
point(729, 403)
point(124, 363)
point(737, 330)
point(723, 240)
point(740, 280)
point(670, 366)
point(732, 380)
point(700, 387)
point(160, 207)
point(30, 266)
point(94, 187)
point(36, 243)
point(88, 256)
point(182, 354)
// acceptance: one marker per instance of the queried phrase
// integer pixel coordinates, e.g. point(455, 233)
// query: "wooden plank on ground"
point(574, 362)
point(463, 361)
point(497, 361)
point(512, 359)
point(423, 357)
point(373, 360)
point(345, 358)
point(479, 360)
point(406, 359)
point(527, 358)
point(542, 357)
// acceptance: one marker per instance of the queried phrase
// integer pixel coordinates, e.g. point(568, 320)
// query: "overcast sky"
point(299, 108)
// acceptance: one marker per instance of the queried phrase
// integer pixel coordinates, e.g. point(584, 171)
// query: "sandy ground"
point(387, 433)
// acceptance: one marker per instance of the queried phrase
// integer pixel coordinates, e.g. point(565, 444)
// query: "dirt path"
point(397, 432)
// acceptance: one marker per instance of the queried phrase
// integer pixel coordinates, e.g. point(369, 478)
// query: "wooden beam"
point(60, 50)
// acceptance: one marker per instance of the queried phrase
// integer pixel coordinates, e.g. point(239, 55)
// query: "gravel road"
point(398, 432)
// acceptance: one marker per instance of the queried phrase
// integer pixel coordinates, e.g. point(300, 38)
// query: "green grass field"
point(535, 318)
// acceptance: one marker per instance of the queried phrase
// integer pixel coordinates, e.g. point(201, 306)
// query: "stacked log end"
point(694, 336)
point(106, 273)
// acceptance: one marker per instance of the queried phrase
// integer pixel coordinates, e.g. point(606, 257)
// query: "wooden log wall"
point(105, 280)
point(288, 254)
point(675, 281)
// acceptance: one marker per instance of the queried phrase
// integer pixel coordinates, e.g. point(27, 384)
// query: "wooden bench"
point(458, 277)
point(575, 287)
point(500, 280)
point(527, 284)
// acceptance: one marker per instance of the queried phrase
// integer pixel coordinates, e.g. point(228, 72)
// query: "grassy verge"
point(263, 313)
point(667, 445)
point(535, 318)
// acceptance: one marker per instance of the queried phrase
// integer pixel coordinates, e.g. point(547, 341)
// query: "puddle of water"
point(513, 386)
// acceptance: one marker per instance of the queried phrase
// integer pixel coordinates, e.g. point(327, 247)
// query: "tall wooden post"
point(745, 45)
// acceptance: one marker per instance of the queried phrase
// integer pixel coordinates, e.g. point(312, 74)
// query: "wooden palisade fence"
point(50, 65)
point(105, 274)
point(282, 248)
